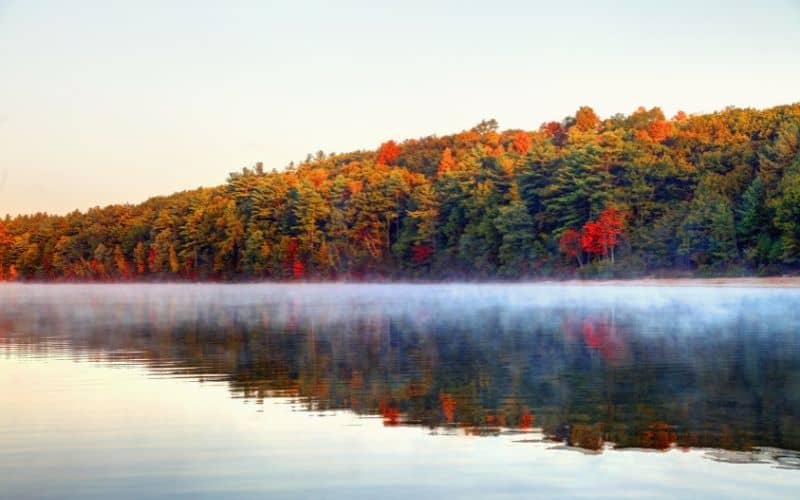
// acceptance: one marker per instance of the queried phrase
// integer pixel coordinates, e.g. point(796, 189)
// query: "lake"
point(392, 391)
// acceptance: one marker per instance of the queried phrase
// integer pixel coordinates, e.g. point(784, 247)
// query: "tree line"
point(629, 195)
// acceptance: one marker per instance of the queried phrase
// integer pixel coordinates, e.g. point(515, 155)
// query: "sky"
point(115, 102)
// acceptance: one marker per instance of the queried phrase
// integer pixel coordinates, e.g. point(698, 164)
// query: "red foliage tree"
point(601, 236)
point(291, 260)
point(555, 131)
point(570, 245)
point(550, 128)
point(421, 253)
point(388, 153)
point(612, 221)
point(592, 238)
point(521, 142)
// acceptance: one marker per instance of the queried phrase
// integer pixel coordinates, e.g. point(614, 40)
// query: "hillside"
point(715, 194)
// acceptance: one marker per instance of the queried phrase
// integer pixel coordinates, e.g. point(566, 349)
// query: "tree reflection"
point(587, 378)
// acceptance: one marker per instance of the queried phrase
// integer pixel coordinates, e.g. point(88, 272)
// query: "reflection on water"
point(591, 368)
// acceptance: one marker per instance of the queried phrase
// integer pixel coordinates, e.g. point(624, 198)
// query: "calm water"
point(345, 391)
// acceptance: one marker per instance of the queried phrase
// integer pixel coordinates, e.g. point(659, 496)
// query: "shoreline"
point(766, 282)
point(741, 282)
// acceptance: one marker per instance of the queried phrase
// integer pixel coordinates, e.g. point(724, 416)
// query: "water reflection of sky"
point(86, 430)
point(416, 390)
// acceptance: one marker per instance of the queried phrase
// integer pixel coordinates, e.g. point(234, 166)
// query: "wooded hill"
point(714, 194)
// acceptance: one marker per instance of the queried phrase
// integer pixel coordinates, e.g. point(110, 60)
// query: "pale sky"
point(107, 102)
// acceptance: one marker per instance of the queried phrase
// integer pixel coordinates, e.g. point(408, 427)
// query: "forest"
point(626, 196)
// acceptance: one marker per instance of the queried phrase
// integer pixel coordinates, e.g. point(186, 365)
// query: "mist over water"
point(712, 371)
point(125, 305)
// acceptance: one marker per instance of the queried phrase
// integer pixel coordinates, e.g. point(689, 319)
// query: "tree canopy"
point(624, 196)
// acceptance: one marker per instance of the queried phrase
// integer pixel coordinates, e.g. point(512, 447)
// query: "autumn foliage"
point(447, 163)
point(659, 130)
point(586, 119)
point(602, 236)
point(593, 238)
point(598, 237)
point(522, 142)
point(570, 244)
point(716, 193)
point(388, 153)
point(421, 253)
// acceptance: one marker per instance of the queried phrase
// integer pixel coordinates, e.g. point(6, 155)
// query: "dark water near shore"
point(371, 391)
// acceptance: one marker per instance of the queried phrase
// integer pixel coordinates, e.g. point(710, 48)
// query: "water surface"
point(149, 391)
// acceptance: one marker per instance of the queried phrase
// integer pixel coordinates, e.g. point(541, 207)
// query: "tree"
point(602, 236)
point(140, 258)
point(612, 224)
point(310, 213)
point(121, 263)
point(421, 253)
point(5, 242)
point(577, 189)
point(659, 130)
point(787, 215)
point(521, 142)
point(387, 153)
point(517, 235)
point(753, 223)
point(101, 261)
point(556, 132)
point(570, 245)
point(723, 233)
point(425, 215)
point(447, 163)
point(592, 238)
point(708, 234)
point(586, 119)
point(486, 126)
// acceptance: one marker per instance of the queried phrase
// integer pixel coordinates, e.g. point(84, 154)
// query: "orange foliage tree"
point(521, 142)
point(388, 153)
point(659, 130)
point(447, 163)
point(586, 119)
